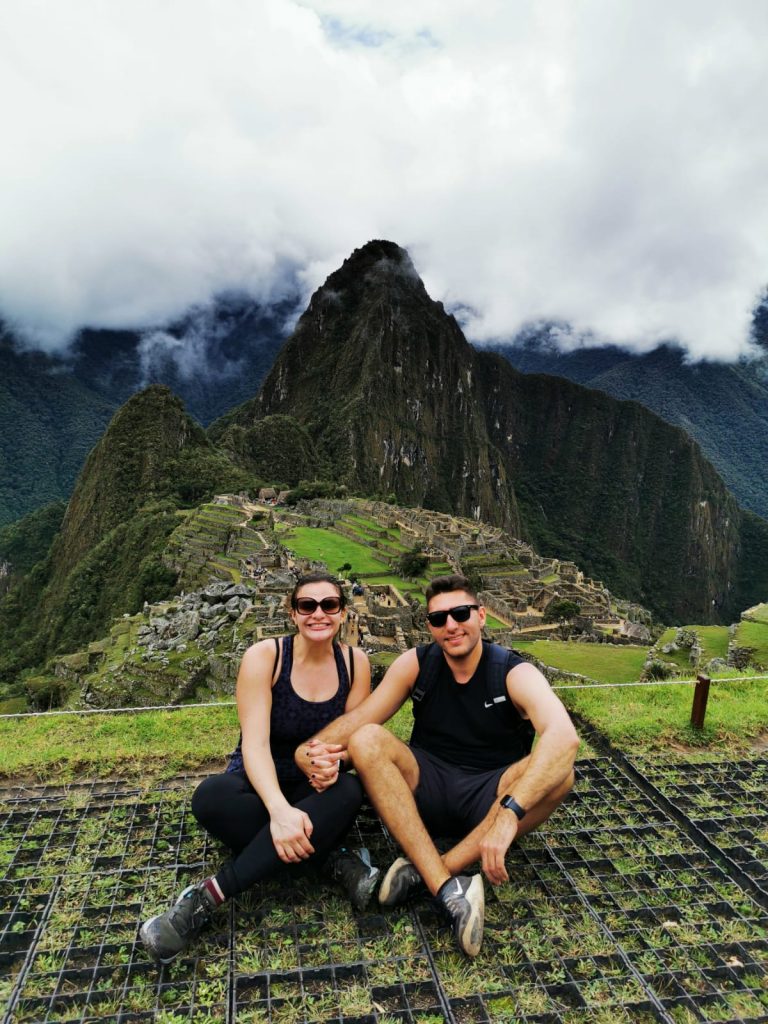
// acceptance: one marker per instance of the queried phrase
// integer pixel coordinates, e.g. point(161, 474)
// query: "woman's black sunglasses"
point(307, 605)
point(459, 613)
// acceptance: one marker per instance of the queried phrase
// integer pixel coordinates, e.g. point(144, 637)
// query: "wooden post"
point(700, 697)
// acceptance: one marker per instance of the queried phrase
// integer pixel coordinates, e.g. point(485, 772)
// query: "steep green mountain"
point(54, 409)
point(616, 489)
point(106, 558)
point(723, 406)
point(382, 379)
point(398, 402)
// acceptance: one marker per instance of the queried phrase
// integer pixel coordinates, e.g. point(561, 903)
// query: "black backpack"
point(499, 663)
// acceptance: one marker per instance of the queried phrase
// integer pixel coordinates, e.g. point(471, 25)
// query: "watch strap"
point(510, 804)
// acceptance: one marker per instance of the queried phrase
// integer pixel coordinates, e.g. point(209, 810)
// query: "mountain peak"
point(374, 251)
point(378, 263)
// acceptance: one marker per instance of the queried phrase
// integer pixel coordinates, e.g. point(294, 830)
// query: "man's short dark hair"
point(447, 584)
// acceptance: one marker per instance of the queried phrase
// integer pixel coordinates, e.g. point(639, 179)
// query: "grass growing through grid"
point(611, 908)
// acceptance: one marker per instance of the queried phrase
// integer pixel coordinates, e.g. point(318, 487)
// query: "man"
point(468, 770)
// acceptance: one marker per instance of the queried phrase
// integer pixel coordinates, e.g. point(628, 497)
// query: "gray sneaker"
point(358, 877)
point(401, 883)
point(166, 935)
point(463, 899)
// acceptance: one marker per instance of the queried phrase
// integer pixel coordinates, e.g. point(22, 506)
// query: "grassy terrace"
point(755, 636)
point(601, 662)
point(713, 640)
point(335, 550)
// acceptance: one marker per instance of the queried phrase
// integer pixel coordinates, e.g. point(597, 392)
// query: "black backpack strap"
point(499, 662)
point(430, 659)
point(499, 659)
point(351, 665)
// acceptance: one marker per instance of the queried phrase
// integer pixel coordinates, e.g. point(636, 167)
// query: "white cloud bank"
point(601, 163)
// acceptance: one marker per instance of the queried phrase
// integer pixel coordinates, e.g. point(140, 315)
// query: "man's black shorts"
point(451, 800)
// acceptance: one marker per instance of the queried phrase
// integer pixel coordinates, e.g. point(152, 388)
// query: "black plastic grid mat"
point(613, 913)
point(728, 803)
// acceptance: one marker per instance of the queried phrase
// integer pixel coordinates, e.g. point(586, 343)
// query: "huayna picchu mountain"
point(397, 402)
point(382, 380)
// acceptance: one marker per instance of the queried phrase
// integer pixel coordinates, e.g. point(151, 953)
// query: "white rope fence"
point(232, 703)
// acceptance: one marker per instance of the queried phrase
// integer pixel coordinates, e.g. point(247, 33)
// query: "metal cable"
point(232, 703)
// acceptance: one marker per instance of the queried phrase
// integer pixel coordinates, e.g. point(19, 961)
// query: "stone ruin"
point(197, 639)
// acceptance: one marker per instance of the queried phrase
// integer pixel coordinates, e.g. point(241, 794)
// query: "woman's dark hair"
point(447, 584)
point(318, 577)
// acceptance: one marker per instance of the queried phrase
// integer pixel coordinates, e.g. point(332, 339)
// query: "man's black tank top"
point(457, 723)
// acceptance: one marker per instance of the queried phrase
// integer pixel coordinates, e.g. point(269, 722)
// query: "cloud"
point(600, 165)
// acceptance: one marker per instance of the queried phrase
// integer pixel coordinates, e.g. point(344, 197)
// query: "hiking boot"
point(402, 882)
point(358, 877)
point(168, 934)
point(463, 901)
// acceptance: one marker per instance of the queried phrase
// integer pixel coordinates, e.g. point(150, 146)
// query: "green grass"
point(368, 530)
point(658, 717)
point(147, 744)
point(161, 744)
point(384, 658)
point(151, 743)
point(680, 658)
point(493, 623)
point(333, 549)
point(602, 662)
point(760, 613)
point(368, 524)
point(713, 640)
point(755, 635)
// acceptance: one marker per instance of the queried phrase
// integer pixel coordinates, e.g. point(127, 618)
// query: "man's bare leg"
point(468, 850)
point(390, 774)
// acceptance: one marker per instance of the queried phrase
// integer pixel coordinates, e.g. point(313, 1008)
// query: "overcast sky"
point(598, 162)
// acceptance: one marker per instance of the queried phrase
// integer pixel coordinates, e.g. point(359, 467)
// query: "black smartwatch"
point(512, 805)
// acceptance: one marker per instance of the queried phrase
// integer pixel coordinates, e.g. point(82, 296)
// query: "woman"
point(262, 807)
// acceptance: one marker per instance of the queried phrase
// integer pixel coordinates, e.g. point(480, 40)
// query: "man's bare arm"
point(552, 759)
point(549, 765)
point(330, 744)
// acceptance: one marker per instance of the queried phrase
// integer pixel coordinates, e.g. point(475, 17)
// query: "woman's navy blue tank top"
point(293, 718)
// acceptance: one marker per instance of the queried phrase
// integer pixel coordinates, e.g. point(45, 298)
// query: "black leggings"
point(230, 809)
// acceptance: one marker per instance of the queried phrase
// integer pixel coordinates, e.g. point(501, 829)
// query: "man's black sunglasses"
point(460, 613)
point(307, 605)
